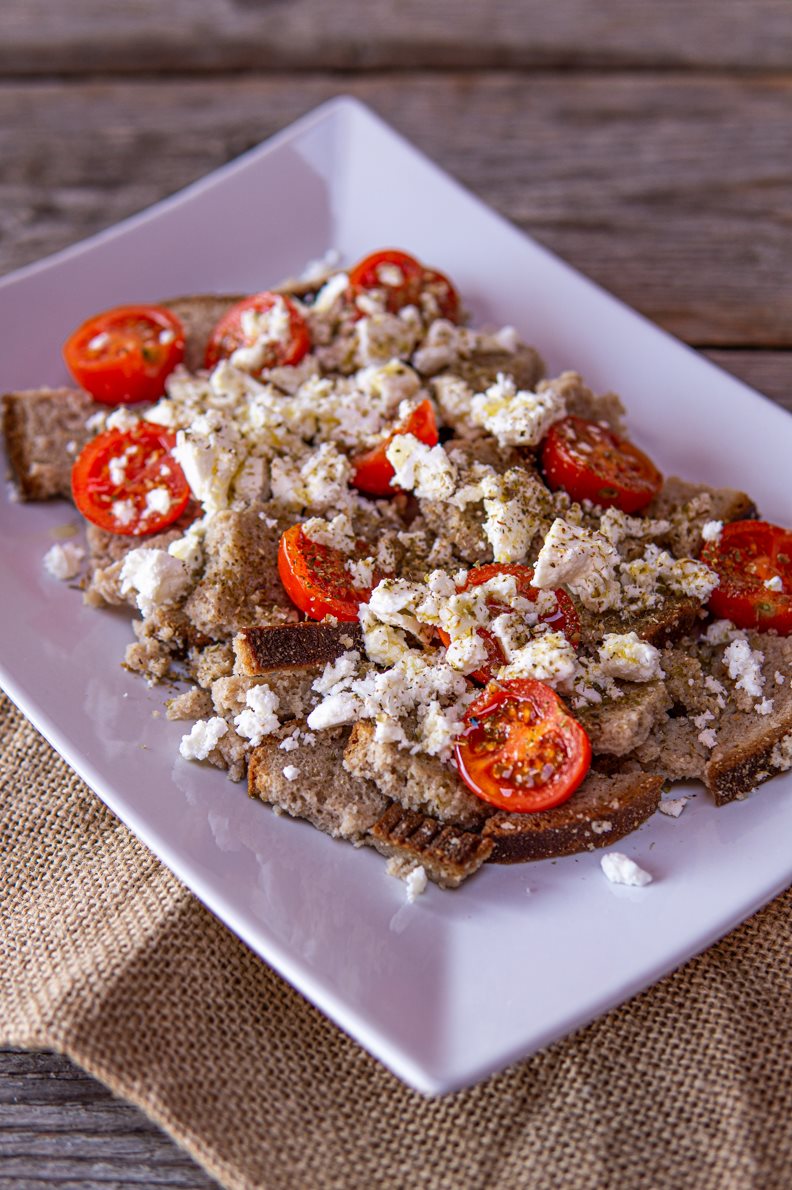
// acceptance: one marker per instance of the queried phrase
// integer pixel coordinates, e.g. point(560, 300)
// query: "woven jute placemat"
point(107, 958)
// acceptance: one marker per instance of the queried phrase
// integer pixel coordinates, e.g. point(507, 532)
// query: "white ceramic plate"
point(457, 985)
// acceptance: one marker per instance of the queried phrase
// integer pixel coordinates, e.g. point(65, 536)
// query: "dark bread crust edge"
point(447, 853)
point(740, 769)
point(261, 650)
point(569, 828)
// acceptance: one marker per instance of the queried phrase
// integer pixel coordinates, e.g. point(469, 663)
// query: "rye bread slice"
point(337, 802)
point(602, 810)
point(44, 431)
point(447, 854)
point(418, 782)
point(293, 646)
point(751, 747)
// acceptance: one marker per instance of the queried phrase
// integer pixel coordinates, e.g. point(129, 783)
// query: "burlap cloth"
point(107, 958)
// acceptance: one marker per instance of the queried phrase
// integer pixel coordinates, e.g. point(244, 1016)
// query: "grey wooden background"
point(649, 144)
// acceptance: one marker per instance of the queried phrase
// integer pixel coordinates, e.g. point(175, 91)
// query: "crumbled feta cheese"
point(416, 882)
point(338, 533)
point(781, 756)
point(291, 772)
point(620, 869)
point(156, 576)
point(581, 559)
point(258, 718)
point(673, 806)
point(745, 666)
point(514, 416)
point(121, 419)
point(548, 658)
point(708, 737)
point(63, 561)
point(361, 571)
point(425, 470)
point(203, 738)
point(711, 531)
point(124, 512)
point(333, 710)
point(776, 583)
point(765, 707)
point(625, 655)
point(158, 501)
point(210, 453)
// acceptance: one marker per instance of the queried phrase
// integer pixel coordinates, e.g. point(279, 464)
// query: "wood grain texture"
point(59, 1127)
point(672, 191)
point(39, 37)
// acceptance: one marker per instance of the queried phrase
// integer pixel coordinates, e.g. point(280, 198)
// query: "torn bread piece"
point(418, 781)
point(447, 854)
point(308, 781)
point(45, 429)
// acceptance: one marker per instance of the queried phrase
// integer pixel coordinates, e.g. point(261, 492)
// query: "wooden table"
point(648, 144)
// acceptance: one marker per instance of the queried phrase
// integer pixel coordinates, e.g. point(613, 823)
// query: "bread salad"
point(420, 594)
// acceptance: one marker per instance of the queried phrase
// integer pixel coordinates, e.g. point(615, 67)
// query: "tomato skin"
point(373, 473)
point(374, 272)
point(521, 750)
point(746, 554)
point(564, 619)
point(590, 462)
point(149, 465)
point(123, 356)
point(228, 334)
point(315, 578)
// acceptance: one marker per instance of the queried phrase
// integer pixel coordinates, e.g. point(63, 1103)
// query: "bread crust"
point(605, 808)
point(447, 854)
point(293, 646)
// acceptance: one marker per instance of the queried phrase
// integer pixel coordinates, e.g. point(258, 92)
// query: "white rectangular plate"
point(457, 985)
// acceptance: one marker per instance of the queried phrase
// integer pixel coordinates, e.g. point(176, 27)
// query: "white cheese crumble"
point(415, 881)
point(673, 806)
point(625, 655)
point(620, 869)
point(155, 576)
point(63, 561)
point(776, 583)
point(581, 559)
point(291, 772)
point(516, 417)
point(425, 470)
point(711, 531)
point(202, 738)
point(258, 718)
point(745, 666)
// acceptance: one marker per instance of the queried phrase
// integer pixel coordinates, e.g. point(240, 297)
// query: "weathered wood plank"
point(40, 37)
point(672, 191)
point(59, 1127)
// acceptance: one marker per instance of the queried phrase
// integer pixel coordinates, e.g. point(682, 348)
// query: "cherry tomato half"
point(373, 473)
point(128, 482)
point(316, 578)
point(747, 555)
point(244, 324)
point(521, 750)
point(124, 355)
point(563, 619)
point(590, 462)
point(397, 273)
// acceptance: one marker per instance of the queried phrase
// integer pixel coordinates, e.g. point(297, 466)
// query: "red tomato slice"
point(373, 473)
point(521, 750)
point(124, 355)
point(748, 554)
point(229, 333)
point(116, 473)
point(444, 293)
point(397, 273)
point(563, 619)
point(590, 462)
point(316, 578)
